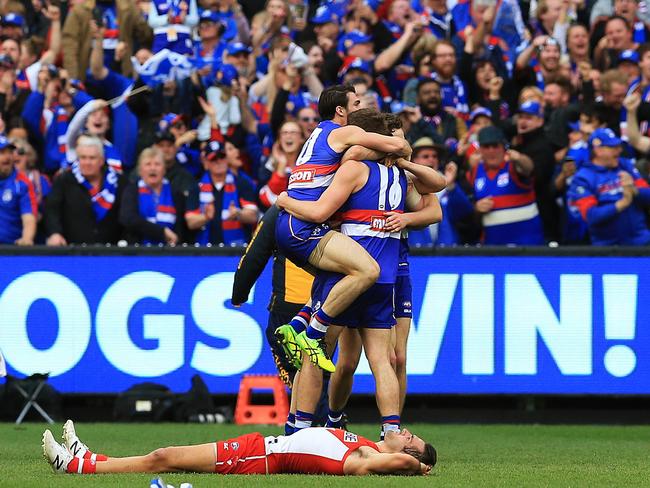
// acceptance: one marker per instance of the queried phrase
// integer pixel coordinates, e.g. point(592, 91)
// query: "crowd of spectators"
point(178, 121)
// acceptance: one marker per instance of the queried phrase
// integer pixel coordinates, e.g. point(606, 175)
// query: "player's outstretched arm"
point(425, 179)
point(345, 182)
point(359, 153)
point(385, 463)
point(428, 212)
point(351, 135)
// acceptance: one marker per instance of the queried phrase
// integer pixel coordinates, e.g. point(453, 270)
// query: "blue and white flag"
point(163, 66)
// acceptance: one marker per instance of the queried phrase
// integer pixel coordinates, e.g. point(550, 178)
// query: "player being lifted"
point(307, 243)
point(312, 451)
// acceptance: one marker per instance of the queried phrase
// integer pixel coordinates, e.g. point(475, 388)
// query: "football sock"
point(303, 420)
point(388, 424)
point(81, 466)
point(334, 418)
point(301, 321)
point(320, 321)
point(290, 425)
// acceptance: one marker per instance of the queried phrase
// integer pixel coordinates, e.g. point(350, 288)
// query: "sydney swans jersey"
point(364, 216)
point(316, 165)
point(316, 450)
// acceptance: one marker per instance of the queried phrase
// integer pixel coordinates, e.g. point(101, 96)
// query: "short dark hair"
point(369, 120)
point(426, 81)
point(562, 81)
point(332, 97)
point(428, 456)
point(393, 122)
point(622, 19)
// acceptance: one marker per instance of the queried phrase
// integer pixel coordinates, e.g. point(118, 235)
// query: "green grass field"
point(469, 455)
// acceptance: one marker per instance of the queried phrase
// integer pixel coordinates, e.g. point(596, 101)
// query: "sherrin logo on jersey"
point(378, 223)
point(302, 176)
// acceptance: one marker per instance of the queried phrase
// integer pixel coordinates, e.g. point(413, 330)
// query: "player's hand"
point(484, 205)
point(281, 202)
point(170, 237)
point(56, 240)
point(24, 242)
point(395, 222)
point(425, 469)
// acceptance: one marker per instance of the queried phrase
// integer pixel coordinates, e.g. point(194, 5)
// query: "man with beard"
point(532, 141)
point(629, 10)
point(548, 53)
point(452, 89)
point(430, 119)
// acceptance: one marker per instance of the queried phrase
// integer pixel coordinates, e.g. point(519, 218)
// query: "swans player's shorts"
point(296, 238)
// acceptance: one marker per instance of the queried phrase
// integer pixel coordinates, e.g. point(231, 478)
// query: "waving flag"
point(163, 66)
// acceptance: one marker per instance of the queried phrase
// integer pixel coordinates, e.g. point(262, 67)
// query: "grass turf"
point(469, 455)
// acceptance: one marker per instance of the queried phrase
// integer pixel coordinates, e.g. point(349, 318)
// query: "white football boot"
point(72, 443)
point(56, 454)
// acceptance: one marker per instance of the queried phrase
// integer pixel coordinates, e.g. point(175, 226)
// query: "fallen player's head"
point(411, 444)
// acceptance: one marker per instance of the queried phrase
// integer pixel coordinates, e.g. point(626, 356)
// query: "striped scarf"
point(102, 198)
point(157, 209)
point(233, 232)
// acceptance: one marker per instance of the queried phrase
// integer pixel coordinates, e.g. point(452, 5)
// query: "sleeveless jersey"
point(514, 219)
point(363, 216)
point(316, 165)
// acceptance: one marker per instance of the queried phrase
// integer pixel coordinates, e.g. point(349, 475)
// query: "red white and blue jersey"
point(514, 218)
point(316, 165)
point(594, 192)
point(17, 197)
point(363, 217)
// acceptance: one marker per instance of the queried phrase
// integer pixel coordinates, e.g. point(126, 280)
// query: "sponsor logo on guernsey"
point(378, 223)
point(480, 183)
point(503, 179)
point(6, 196)
point(350, 437)
point(302, 176)
point(234, 445)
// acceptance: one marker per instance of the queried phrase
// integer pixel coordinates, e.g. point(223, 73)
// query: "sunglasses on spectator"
point(310, 119)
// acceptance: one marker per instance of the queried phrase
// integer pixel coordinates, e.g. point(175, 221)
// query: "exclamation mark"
point(619, 299)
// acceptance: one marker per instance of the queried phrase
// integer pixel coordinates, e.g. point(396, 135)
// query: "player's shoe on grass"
point(72, 443)
point(287, 338)
point(316, 350)
point(56, 454)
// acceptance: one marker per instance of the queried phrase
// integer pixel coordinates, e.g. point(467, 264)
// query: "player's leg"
point(336, 253)
point(340, 386)
point(310, 385)
point(376, 344)
point(401, 339)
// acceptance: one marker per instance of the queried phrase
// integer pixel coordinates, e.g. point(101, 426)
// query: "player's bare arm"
point(360, 153)
point(348, 179)
point(366, 461)
point(429, 212)
point(344, 137)
point(425, 179)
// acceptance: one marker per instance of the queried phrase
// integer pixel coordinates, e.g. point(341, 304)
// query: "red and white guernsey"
point(316, 450)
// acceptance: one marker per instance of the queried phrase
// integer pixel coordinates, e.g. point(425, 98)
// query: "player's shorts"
point(296, 238)
point(245, 454)
point(374, 309)
point(403, 297)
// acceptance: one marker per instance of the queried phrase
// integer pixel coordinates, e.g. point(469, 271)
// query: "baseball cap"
point(352, 38)
point(491, 135)
point(13, 19)
point(480, 112)
point(168, 120)
point(234, 48)
point(214, 150)
point(357, 63)
point(164, 135)
point(324, 15)
point(5, 143)
point(531, 107)
point(604, 137)
point(229, 24)
point(226, 74)
point(629, 56)
point(7, 62)
point(574, 126)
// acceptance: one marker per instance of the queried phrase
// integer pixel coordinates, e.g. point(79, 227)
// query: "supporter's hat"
point(165, 135)
point(491, 135)
point(574, 126)
point(214, 150)
point(550, 41)
point(209, 16)
point(13, 19)
point(234, 48)
point(226, 74)
point(531, 107)
point(324, 15)
point(6, 62)
point(604, 137)
point(357, 63)
point(5, 143)
point(628, 56)
point(229, 24)
point(352, 38)
point(168, 120)
point(480, 112)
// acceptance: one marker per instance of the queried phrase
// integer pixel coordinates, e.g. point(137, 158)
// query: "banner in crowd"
point(481, 324)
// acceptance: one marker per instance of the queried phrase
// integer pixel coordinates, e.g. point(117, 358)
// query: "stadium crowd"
point(179, 121)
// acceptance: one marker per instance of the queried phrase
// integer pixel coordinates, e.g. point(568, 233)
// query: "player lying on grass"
point(316, 450)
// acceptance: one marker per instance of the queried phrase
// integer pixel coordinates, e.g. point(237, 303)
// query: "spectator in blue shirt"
point(17, 201)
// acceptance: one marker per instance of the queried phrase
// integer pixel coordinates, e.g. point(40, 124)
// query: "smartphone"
point(98, 17)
